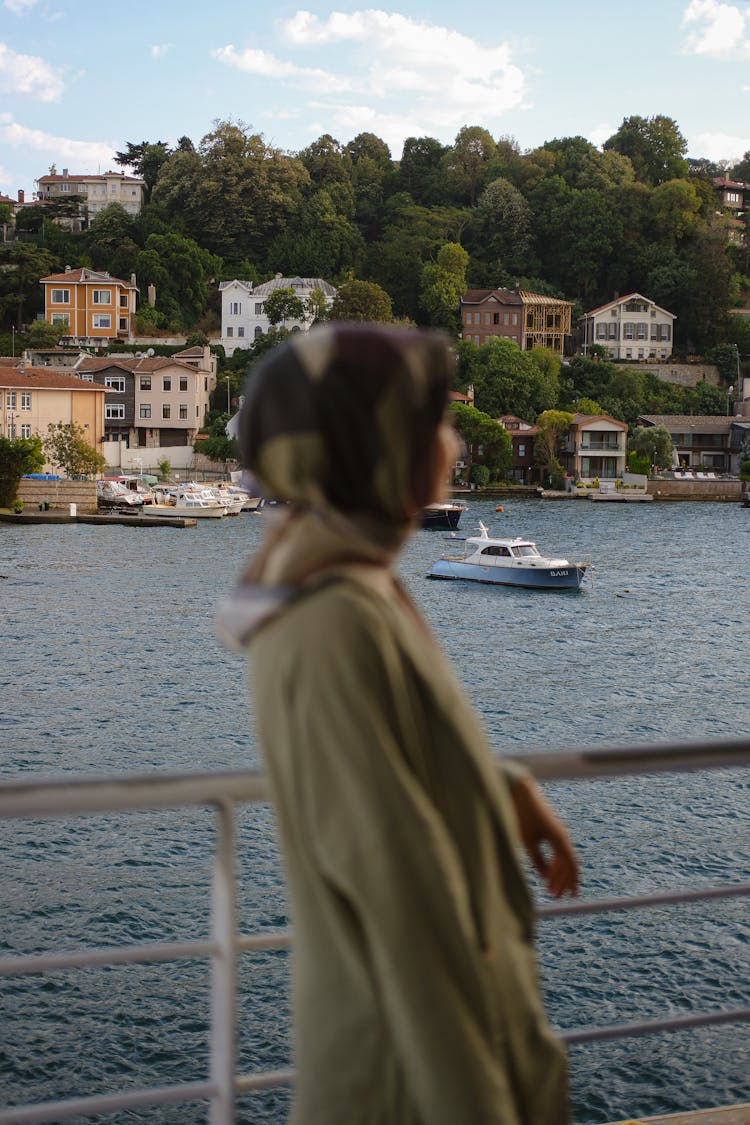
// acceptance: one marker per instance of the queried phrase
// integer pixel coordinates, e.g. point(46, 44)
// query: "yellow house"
point(93, 307)
point(33, 397)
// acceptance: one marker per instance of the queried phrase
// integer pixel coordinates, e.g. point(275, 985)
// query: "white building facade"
point(243, 316)
point(630, 327)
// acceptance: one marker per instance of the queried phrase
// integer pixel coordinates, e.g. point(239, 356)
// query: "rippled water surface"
point(110, 665)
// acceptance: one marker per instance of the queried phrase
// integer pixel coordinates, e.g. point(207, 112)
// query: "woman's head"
point(349, 416)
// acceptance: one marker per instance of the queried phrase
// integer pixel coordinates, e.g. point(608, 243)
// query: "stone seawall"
point(721, 490)
point(59, 493)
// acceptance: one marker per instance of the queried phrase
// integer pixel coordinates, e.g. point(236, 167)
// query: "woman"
point(414, 981)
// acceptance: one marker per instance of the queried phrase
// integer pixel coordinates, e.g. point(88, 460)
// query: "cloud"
point(265, 65)
point(28, 74)
point(601, 133)
point(720, 146)
point(158, 50)
point(19, 6)
point(82, 156)
point(717, 29)
point(379, 60)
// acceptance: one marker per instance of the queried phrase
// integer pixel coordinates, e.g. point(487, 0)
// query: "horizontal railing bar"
point(105, 1103)
point(634, 902)
point(268, 1080)
point(258, 943)
point(650, 1027)
point(119, 955)
point(66, 796)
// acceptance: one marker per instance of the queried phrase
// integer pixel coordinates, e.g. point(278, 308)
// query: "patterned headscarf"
point(340, 423)
point(344, 417)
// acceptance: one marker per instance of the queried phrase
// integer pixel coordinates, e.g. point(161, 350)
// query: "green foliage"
point(18, 456)
point(217, 446)
point(552, 428)
point(507, 380)
point(165, 468)
point(362, 300)
point(654, 444)
point(480, 476)
point(486, 441)
point(42, 334)
point(282, 305)
point(639, 463)
point(654, 145)
point(66, 447)
point(443, 285)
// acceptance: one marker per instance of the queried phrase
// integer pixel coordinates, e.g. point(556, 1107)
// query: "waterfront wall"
point(59, 493)
point(726, 490)
point(683, 374)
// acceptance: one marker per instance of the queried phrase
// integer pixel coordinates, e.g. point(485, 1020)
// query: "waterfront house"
point(734, 199)
point(92, 308)
point(243, 316)
point(595, 446)
point(522, 436)
point(630, 327)
point(32, 398)
point(153, 401)
point(530, 320)
point(700, 441)
point(94, 191)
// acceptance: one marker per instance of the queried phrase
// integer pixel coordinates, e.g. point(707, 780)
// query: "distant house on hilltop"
point(243, 317)
point(95, 191)
point(630, 327)
point(530, 320)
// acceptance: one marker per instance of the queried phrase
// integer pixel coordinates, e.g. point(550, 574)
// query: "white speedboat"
point(507, 562)
point(182, 505)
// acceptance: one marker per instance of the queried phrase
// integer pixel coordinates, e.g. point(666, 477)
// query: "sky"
point(78, 81)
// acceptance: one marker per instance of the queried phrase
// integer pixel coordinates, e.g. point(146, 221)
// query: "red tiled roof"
point(42, 379)
point(85, 276)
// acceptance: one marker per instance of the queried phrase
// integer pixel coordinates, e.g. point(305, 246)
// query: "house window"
point(123, 300)
point(114, 410)
point(521, 450)
point(166, 384)
point(166, 410)
point(642, 330)
point(61, 318)
point(60, 296)
point(506, 318)
point(258, 331)
point(205, 384)
point(628, 331)
point(145, 410)
point(86, 376)
point(101, 296)
point(183, 410)
point(25, 400)
point(240, 331)
point(116, 382)
point(101, 320)
point(11, 400)
point(123, 322)
point(183, 382)
point(145, 383)
point(486, 318)
point(514, 318)
point(258, 308)
point(235, 308)
point(230, 332)
point(26, 430)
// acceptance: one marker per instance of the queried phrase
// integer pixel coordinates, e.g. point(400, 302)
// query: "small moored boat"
point(508, 562)
point(443, 515)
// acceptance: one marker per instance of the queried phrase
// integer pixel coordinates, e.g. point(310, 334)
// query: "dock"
point(58, 515)
point(729, 1115)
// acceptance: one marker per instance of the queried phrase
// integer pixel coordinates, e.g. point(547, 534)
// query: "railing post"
point(224, 968)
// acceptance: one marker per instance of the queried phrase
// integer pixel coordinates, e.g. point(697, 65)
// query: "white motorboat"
point(180, 504)
point(507, 562)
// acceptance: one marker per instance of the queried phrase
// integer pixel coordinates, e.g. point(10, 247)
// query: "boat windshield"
point(523, 550)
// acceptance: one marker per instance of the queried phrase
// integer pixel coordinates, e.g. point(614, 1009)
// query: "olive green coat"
point(414, 980)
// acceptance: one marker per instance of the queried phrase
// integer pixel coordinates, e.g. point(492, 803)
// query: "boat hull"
point(563, 577)
point(184, 511)
point(445, 517)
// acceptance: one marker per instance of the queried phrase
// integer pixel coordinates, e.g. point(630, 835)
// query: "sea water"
point(110, 666)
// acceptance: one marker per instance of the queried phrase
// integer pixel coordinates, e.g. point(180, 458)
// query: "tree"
point(146, 160)
point(18, 456)
point(443, 284)
point(655, 146)
point(655, 443)
point(500, 229)
point(552, 427)
point(183, 274)
point(42, 334)
point(282, 305)
point(507, 380)
point(468, 163)
point(21, 266)
point(420, 171)
point(486, 441)
point(316, 306)
point(66, 446)
point(362, 300)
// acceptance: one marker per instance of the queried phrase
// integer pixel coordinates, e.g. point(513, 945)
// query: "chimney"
point(65, 171)
point(132, 279)
point(67, 269)
point(152, 296)
point(21, 195)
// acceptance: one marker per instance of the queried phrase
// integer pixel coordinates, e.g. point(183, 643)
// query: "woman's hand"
point(545, 838)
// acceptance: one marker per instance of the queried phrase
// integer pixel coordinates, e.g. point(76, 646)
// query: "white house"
point(243, 316)
point(630, 327)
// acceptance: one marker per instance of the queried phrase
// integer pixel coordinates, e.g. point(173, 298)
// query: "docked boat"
point(444, 515)
point(179, 504)
point(112, 495)
point(507, 562)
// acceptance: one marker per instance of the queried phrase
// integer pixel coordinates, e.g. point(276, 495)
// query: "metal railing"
point(228, 791)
